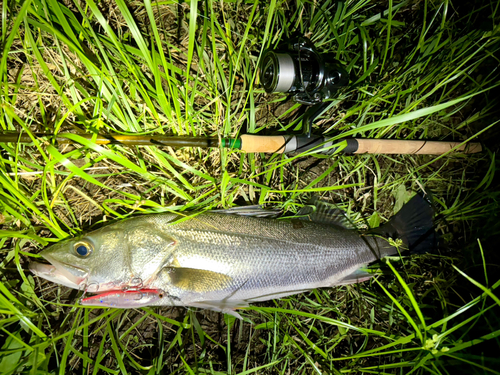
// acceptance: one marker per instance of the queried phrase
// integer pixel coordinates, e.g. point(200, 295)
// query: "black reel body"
point(302, 71)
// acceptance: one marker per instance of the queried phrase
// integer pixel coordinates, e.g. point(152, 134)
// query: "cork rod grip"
point(263, 143)
point(394, 146)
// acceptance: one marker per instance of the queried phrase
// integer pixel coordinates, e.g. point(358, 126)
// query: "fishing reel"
point(299, 69)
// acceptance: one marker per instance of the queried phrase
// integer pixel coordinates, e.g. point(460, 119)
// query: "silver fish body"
point(255, 259)
point(214, 260)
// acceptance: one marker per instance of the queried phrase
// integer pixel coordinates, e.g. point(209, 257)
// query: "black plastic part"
point(312, 114)
point(352, 146)
point(305, 143)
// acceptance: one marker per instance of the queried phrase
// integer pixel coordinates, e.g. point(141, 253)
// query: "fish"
point(223, 260)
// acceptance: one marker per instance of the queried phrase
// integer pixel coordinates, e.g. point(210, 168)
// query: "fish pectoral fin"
point(196, 280)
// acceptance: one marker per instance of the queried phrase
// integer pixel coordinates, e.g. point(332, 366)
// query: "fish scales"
point(264, 256)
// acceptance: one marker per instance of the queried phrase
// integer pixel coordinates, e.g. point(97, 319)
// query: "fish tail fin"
point(414, 225)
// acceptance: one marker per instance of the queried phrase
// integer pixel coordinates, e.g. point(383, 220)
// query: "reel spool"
point(300, 70)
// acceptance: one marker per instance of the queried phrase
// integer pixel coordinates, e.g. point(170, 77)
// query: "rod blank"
point(118, 139)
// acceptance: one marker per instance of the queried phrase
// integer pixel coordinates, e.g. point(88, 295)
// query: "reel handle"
point(278, 144)
point(414, 147)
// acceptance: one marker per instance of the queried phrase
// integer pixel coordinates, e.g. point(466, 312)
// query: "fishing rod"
point(263, 143)
point(298, 69)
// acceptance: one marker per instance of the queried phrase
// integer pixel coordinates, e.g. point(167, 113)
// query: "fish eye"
point(83, 249)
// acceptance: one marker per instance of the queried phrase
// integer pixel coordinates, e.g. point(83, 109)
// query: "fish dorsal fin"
point(253, 211)
point(196, 280)
point(322, 212)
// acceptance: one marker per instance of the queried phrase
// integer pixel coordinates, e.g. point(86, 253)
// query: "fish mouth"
point(60, 273)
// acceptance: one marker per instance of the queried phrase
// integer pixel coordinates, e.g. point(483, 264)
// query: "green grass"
point(418, 70)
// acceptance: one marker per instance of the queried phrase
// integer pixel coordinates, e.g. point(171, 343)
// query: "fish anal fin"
point(357, 276)
point(197, 280)
point(278, 295)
